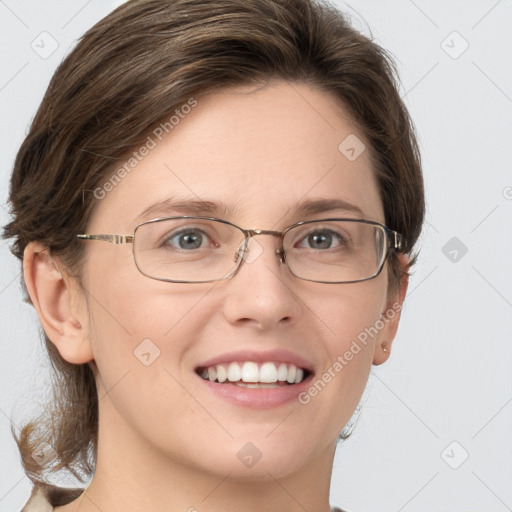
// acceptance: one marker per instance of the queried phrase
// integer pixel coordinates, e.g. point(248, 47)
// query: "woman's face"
point(262, 150)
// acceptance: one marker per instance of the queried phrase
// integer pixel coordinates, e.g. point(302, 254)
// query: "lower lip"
point(259, 398)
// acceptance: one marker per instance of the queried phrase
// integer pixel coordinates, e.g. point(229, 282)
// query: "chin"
point(256, 457)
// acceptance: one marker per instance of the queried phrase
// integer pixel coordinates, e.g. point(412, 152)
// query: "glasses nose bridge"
point(249, 233)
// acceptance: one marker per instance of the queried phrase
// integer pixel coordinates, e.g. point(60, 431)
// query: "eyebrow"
point(221, 209)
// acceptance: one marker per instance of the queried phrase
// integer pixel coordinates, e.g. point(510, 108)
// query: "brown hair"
point(138, 65)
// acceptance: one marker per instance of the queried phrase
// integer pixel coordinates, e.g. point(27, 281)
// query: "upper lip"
point(259, 356)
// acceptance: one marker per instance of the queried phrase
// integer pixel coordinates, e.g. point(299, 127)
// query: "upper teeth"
point(252, 372)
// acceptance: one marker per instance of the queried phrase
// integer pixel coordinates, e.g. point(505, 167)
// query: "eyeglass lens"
point(199, 250)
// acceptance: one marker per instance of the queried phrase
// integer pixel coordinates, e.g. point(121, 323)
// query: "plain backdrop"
point(435, 432)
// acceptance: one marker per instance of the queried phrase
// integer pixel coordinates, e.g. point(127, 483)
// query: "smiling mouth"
point(254, 375)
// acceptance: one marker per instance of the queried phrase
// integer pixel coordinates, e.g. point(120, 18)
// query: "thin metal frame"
point(394, 244)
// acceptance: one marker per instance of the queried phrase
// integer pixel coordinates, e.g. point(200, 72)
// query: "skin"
point(165, 441)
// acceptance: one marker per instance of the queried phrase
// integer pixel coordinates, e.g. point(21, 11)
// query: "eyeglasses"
point(190, 249)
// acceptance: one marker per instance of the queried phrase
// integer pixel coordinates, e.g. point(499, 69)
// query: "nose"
point(262, 293)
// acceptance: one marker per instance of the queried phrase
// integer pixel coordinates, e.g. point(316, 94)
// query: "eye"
point(187, 239)
point(323, 239)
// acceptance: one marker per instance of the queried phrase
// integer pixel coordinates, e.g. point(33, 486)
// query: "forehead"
point(256, 151)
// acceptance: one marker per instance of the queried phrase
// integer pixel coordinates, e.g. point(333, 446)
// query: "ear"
point(391, 316)
point(54, 297)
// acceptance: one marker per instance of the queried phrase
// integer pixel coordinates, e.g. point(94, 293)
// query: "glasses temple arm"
point(113, 239)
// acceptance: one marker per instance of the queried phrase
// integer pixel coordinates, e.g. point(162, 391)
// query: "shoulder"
point(45, 497)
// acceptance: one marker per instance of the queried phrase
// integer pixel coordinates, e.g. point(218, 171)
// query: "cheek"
point(345, 320)
point(127, 306)
point(139, 339)
point(350, 316)
point(138, 324)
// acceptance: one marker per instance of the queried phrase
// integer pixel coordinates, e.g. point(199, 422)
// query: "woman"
point(215, 208)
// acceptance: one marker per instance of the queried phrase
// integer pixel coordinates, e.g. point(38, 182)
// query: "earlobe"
point(52, 298)
point(391, 317)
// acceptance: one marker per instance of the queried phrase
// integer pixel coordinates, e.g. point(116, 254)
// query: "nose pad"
point(251, 254)
point(253, 250)
point(239, 251)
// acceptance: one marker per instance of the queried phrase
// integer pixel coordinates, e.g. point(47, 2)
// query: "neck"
point(133, 475)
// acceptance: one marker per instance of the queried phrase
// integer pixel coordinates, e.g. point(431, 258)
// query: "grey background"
point(446, 392)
